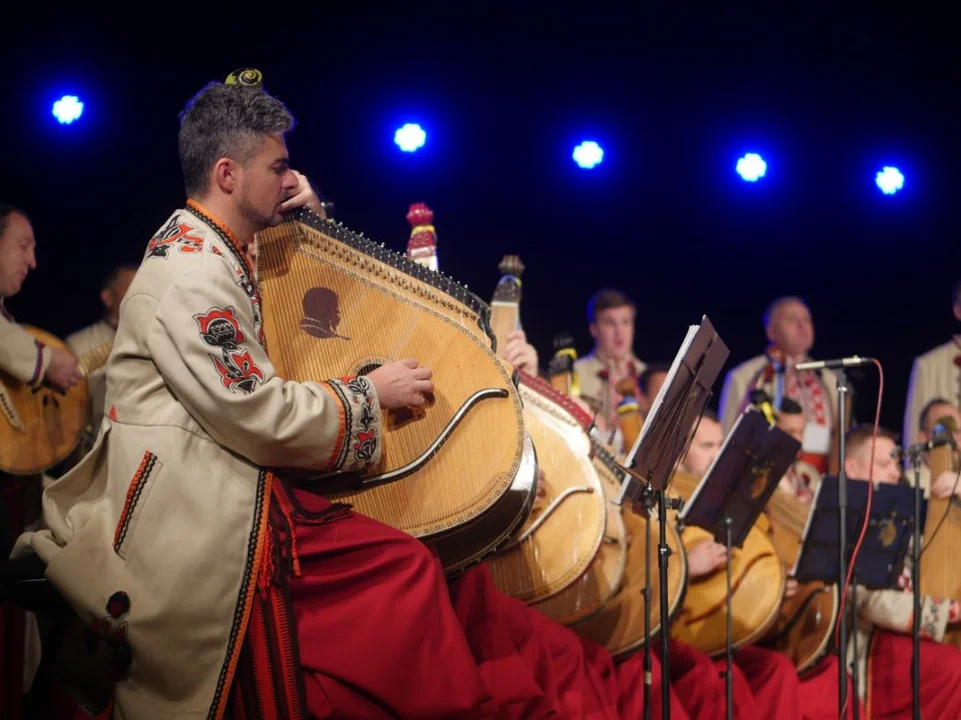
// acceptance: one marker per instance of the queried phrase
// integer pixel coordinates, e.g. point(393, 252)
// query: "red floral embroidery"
point(957, 360)
point(239, 373)
point(174, 234)
point(220, 328)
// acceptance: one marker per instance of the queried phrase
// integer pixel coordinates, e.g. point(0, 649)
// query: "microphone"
point(762, 402)
point(922, 446)
point(853, 361)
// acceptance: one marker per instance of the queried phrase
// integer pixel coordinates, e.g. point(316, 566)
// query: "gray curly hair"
point(225, 121)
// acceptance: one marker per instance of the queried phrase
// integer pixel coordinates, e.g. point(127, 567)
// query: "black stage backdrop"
point(504, 94)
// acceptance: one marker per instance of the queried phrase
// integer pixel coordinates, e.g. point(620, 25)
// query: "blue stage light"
point(751, 167)
point(890, 180)
point(410, 137)
point(67, 109)
point(588, 154)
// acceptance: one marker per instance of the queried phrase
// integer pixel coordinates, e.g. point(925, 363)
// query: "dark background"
point(827, 96)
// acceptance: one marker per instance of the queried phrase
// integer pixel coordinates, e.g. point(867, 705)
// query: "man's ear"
point(226, 175)
point(106, 297)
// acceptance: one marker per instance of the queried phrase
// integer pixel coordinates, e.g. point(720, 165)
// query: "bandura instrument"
point(757, 588)
point(804, 629)
point(41, 426)
point(547, 563)
point(940, 571)
point(458, 472)
point(619, 624)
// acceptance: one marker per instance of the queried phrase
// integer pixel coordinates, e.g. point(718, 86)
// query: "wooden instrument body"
point(560, 540)
point(804, 629)
point(458, 472)
point(547, 563)
point(605, 574)
point(941, 568)
point(805, 626)
point(619, 624)
point(52, 422)
point(758, 580)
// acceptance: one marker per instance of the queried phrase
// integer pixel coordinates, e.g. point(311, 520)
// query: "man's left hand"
point(304, 196)
point(944, 483)
point(520, 353)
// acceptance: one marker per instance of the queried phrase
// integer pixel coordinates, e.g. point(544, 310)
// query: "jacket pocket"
point(140, 485)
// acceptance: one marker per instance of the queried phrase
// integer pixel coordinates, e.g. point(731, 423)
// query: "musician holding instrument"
point(611, 316)
point(790, 332)
point(100, 335)
point(934, 374)
point(937, 411)
point(885, 617)
point(175, 539)
point(26, 360)
point(765, 683)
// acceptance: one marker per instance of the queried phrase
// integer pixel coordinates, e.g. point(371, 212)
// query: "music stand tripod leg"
point(916, 590)
point(729, 653)
point(648, 500)
point(663, 552)
point(842, 383)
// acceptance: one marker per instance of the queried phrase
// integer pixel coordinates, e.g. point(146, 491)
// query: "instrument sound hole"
point(368, 368)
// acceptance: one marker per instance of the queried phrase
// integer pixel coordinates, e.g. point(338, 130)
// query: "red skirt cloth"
point(889, 678)
point(773, 683)
point(819, 693)
point(376, 633)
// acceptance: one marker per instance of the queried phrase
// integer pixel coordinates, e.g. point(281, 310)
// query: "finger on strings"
point(424, 386)
point(410, 362)
point(422, 373)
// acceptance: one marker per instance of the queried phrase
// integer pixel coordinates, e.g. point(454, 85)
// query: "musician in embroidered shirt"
point(92, 339)
point(885, 617)
point(610, 316)
point(790, 332)
point(20, 355)
point(174, 523)
point(24, 359)
point(766, 684)
point(934, 374)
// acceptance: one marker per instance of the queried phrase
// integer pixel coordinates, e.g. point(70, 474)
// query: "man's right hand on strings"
point(401, 384)
point(63, 371)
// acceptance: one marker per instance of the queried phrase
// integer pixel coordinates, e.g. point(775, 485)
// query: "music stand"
point(651, 461)
point(880, 560)
point(733, 493)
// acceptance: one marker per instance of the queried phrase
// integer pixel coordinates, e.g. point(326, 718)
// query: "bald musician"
point(790, 333)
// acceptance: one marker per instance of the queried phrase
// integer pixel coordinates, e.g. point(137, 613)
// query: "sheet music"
point(659, 400)
point(707, 475)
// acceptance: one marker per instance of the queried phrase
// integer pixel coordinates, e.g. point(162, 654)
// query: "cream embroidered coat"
point(169, 506)
point(933, 375)
point(739, 382)
point(85, 341)
point(20, 355)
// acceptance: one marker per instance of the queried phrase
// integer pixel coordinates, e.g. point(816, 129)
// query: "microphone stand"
point(842, 382)
point(915, 456)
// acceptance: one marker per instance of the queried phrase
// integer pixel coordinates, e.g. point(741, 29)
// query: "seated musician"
point(649, 384)
point(936, 411)
point(790, 332)
point(28, 361)
point(610, 316)
point(197, 567)
point(189, 559)
point(885, 618)
point(774, 689)
point(801, 479)
point(934, 374)
point(101, 333)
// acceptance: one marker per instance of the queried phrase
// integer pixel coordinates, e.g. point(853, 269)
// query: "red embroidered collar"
point(225, 232)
